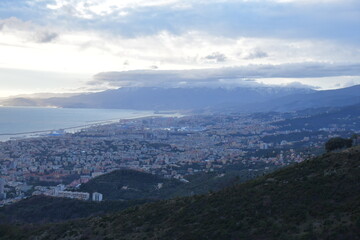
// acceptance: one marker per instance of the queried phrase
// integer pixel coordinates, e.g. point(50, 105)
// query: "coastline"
point(6, 136)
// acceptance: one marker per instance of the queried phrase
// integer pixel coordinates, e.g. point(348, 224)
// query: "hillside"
point(43, 209)
point(141, 188)
point(131, 185)
point(317, 199)
point(328, 98)
point(327, 118)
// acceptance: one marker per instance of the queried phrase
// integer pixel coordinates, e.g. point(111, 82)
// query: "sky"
point(92, 45)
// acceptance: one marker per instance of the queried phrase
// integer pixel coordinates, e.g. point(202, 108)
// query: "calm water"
point(24, 120)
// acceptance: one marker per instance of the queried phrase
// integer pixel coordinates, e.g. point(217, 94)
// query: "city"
point(172, 147)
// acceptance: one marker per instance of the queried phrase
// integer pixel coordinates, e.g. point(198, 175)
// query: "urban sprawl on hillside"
point(172, 147)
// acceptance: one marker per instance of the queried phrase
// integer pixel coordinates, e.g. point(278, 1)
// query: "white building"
point(75, 195)
point(264, 146)
point(97, 197)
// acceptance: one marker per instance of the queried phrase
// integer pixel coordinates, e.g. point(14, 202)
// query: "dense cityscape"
point(172, 147)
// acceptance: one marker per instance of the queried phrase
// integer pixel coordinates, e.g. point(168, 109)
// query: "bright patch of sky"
point(67, 43)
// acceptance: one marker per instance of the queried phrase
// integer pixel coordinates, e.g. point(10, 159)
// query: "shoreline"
point(73, 129)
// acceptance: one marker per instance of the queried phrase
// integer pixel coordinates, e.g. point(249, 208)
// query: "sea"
point(20, 122)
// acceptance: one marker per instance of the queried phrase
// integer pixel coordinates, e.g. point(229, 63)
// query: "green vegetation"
point(337, 143)
point(317, 199)
point(42, 209)
point(141, 188)
point(130, 184)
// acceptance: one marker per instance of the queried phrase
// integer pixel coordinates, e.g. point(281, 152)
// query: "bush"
point(337, 143)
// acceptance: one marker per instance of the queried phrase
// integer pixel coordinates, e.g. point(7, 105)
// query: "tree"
point(355, 136)
point(337, 143)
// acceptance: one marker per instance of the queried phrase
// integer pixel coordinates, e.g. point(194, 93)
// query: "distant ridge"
point(329, 98)
point(150, 98)
point(241, 99)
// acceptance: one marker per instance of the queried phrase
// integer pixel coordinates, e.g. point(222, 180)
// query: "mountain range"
point(241, 99)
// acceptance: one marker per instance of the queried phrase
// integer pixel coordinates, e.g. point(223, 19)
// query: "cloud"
point(14, 23)
point(300, 85)
point(222, 76)
point(256, 54)
point(234, 19)
point(105, 7)
point(45, 36)
point(154, 67)
point(86, 8)
point(91, 51)
point(27, 30)
point(216, 57)
point(14, 81)
point(263, 38)
point(333, 19)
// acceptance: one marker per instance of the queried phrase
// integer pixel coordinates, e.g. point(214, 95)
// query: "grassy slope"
point(317, 199)
point(139, 185)
point(144, 185)
point(42, 209)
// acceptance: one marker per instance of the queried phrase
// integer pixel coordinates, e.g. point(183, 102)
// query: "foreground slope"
point(127, 184)
point(121, 189)
point(317, 199)
point(44, 209)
